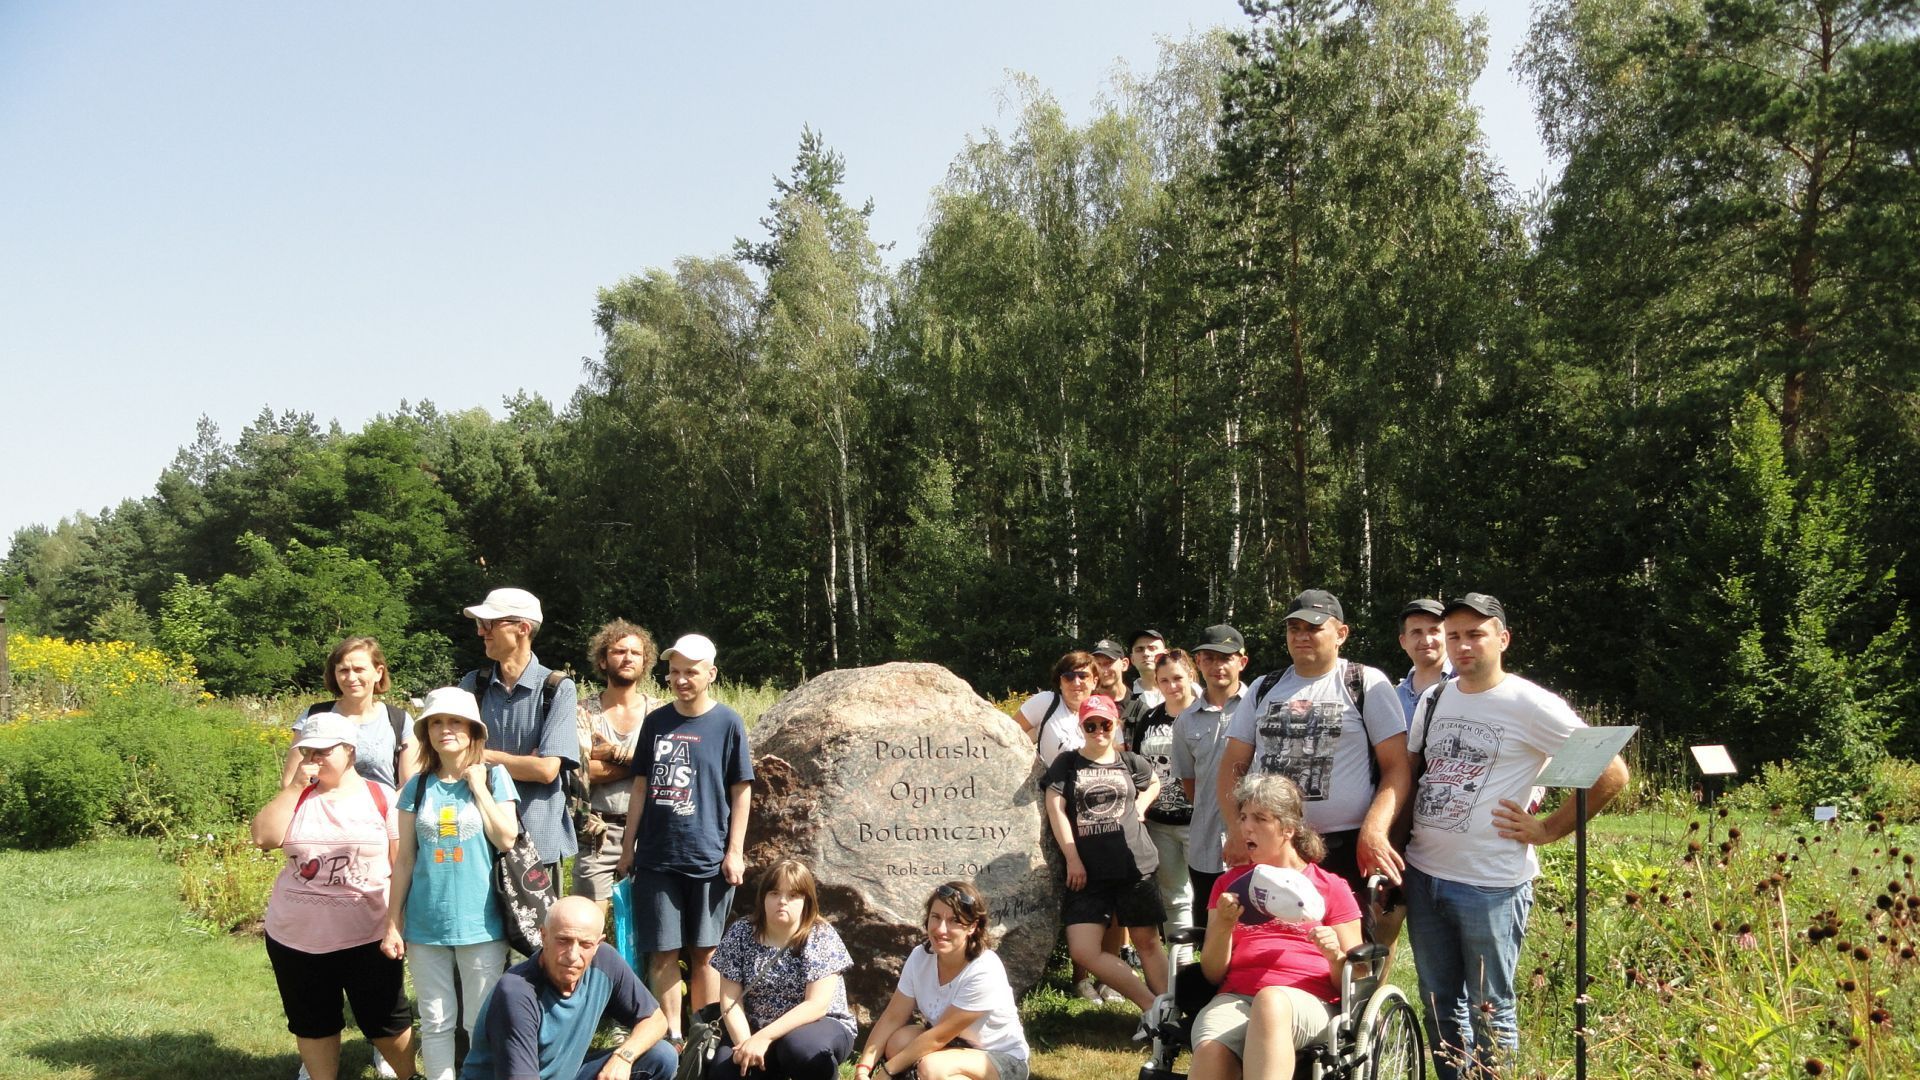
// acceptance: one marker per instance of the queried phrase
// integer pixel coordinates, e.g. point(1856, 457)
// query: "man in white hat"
point(529, 710)
point(687, 827)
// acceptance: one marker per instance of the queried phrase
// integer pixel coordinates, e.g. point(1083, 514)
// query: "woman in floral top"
point(787, 1014)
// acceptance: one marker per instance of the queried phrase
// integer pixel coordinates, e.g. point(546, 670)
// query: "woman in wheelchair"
point(1277, 972)
point(971, 1028)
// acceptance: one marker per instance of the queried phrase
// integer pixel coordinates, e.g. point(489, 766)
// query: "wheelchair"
point(1375, 1033)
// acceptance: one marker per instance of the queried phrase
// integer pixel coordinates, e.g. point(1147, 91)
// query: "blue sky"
point(211, 208)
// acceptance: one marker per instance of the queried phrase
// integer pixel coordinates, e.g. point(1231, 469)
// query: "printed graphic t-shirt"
point(1481, 748)
point(1309, 731)
point(332, 892)
point(1100, 802)
point(450, 899)
point(689, 763)
point(1155, 743)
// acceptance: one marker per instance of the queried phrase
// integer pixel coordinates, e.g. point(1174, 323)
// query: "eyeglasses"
point(487, 625)
point(1092, 726)
point(1077, 676)
point(960, 902)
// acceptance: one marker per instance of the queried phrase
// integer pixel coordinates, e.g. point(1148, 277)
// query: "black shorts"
point(312, 984)
point(1136, 903)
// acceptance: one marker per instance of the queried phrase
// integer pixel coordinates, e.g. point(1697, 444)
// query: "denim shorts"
point(673, 911)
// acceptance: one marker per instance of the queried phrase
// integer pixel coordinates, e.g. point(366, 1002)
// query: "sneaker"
point(303, 1074)
point(1086, 988)
point(1131, 957)
point(1108, 993)
point(383, 1070)
point(1155, 1015)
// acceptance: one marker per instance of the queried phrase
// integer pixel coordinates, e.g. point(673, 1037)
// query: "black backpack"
point(476, 681)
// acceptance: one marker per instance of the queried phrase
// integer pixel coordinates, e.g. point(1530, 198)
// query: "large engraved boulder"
point(889, 780)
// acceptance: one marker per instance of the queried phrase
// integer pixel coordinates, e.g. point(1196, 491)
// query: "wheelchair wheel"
point(1395, 1048)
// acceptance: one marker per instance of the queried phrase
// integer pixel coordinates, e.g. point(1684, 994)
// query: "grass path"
point(107, 979)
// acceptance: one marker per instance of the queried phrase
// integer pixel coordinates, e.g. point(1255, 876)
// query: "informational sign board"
point(1825, 813)
point(1713, 760)
point(1584, 756)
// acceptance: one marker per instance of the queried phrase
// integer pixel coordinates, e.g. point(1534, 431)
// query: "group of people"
point(391, 826)
point(1164, 792)
point(1161, 795)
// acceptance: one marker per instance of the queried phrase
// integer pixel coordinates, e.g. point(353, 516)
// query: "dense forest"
point(1270, 319)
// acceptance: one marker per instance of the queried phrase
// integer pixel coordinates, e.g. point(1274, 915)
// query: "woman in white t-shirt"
point(1051, 718)
point(971, 1026)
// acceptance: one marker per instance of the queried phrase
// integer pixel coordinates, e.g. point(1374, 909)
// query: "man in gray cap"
point(1425, 644)
point(1337, 730)
point(529, 710)
point(1479, 741)
point(1199, 736)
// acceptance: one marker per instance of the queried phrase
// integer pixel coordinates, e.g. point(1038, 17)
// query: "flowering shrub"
point(52, 675)
point(224, 879)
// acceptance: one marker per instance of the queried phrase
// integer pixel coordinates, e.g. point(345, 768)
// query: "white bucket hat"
point(450, 701)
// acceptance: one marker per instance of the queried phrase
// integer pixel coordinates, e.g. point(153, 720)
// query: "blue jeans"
point(658, 1063)
point(1466, 948)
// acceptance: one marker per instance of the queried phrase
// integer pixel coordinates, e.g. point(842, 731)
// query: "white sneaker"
point(383, 1070)
point(303, 1074)
point(1086, 988)
point(1108, 993)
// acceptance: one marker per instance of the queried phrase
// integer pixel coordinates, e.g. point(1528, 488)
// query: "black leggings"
point(809, 1052)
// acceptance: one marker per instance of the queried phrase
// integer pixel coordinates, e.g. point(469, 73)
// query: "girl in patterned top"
point(785, 1005)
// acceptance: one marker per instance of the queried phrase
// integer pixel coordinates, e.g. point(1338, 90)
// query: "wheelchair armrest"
point(1367, 953)
point(1188, 935)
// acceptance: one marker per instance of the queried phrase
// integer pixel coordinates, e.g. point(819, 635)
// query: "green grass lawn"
point(106, 977)
point(1702, 965)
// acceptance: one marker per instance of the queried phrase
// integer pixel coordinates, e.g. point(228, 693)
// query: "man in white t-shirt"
point(1478, 742)
point(1336, 729)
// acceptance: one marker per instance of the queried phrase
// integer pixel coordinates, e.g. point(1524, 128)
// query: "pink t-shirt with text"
point(332, 892)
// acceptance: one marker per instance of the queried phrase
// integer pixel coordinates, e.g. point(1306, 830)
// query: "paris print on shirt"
point(1459, 755)
point(671, 786)
point(1297, 738)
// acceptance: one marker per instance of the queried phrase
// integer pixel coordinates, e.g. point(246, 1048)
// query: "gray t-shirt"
point(613, 796)
point(1199, 735)
point(1309, 730)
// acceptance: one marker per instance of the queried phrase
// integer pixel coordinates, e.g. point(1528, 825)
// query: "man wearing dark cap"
point(1199, 736)
point(1425, 644)
point(1337, 730)
point(1144, 649)
point(1478, 742)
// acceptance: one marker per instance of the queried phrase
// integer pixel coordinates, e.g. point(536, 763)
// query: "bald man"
point(538, 1023)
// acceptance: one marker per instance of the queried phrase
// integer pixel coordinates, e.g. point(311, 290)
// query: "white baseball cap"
point(1286, 894)
point(508, 604)
point(695, 647)
point(325, 730)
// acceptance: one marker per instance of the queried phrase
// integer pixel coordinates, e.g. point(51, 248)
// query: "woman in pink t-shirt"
point(328, 910)
point(1275, 978)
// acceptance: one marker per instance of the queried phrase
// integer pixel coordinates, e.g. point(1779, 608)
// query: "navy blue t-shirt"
point(689, 762)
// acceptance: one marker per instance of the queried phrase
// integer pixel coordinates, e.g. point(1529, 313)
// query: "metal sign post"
point(1578, 765)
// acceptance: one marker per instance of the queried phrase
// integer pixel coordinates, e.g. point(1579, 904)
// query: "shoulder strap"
point(547, 691)
point(1427, 724)
point(1052, 707)
point(1356, 679)
point(420, 788)
point(1265, 684)
point(397, 717)
point(379, 800)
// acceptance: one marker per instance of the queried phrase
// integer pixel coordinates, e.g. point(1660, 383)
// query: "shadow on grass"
point(172, 1055)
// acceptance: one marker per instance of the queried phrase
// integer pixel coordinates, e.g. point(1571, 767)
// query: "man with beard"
point(609, 727)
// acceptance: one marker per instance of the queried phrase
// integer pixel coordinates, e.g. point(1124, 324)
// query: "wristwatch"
point(625, 1055)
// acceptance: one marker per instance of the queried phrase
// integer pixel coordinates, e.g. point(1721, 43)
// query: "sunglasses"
point(487, 625)
point(1077, 676)
point(1092, 726)
point(960, 902)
